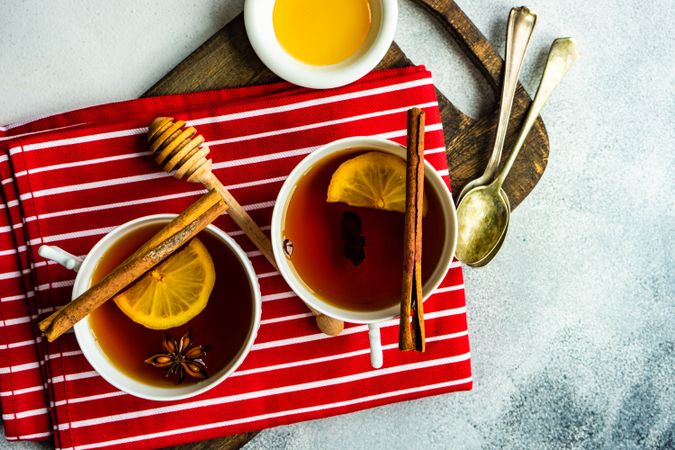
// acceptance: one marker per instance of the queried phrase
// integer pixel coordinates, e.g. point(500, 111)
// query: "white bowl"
point(260, 31)
point(98, 359)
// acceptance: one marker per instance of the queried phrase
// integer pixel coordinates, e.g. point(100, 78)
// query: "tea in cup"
point(346, 261)
point(150, 363)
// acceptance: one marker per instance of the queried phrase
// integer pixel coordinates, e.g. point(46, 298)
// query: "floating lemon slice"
point(173, 292)
point(373, 180)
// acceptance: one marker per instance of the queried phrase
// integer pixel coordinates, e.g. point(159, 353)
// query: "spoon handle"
point(561, 57)
point(519, 31)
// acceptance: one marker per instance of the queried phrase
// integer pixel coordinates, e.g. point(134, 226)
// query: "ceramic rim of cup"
point(107, 369)
point(291, 276)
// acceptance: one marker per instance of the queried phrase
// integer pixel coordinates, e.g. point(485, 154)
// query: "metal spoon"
point(484, 212)
point(518, 32)
point(495, 250)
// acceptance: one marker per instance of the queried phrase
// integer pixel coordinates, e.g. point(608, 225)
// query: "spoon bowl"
point(494, 251)
point(483, 216)
point(481, 261)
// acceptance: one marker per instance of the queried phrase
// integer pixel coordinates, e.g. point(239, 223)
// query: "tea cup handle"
point(60, 256)
point(375, 345)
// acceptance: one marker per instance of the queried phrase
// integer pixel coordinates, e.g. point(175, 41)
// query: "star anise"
point(181, 357)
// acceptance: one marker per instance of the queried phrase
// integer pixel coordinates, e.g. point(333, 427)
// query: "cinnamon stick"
point(411, 336)
point(159, 247)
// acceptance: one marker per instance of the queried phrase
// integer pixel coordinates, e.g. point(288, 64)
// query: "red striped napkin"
point(69, 179)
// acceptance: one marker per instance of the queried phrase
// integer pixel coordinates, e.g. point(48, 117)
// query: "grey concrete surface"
point(572, 325)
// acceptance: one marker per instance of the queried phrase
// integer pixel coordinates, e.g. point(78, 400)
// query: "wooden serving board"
point(228, 60)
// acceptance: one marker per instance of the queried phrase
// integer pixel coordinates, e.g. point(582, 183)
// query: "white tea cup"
point(373, 317)
point(87, 339)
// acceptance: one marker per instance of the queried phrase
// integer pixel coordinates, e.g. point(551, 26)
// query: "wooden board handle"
point(469, 38)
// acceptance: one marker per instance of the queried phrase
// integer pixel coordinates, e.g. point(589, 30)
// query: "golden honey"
point(321, 32)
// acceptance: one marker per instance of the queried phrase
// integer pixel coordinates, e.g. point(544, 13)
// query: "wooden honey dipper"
point(181, 150)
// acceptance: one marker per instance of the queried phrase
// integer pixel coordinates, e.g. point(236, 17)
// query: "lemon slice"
point(173, 292)
point(373, 180)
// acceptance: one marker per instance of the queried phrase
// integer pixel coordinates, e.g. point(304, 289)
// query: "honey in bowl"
point(128, 344)
point(321, 32)
point(319, 242)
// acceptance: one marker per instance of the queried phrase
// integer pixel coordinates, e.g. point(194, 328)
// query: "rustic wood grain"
point(228, 60)
point(226, 443)
point(468, 149)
